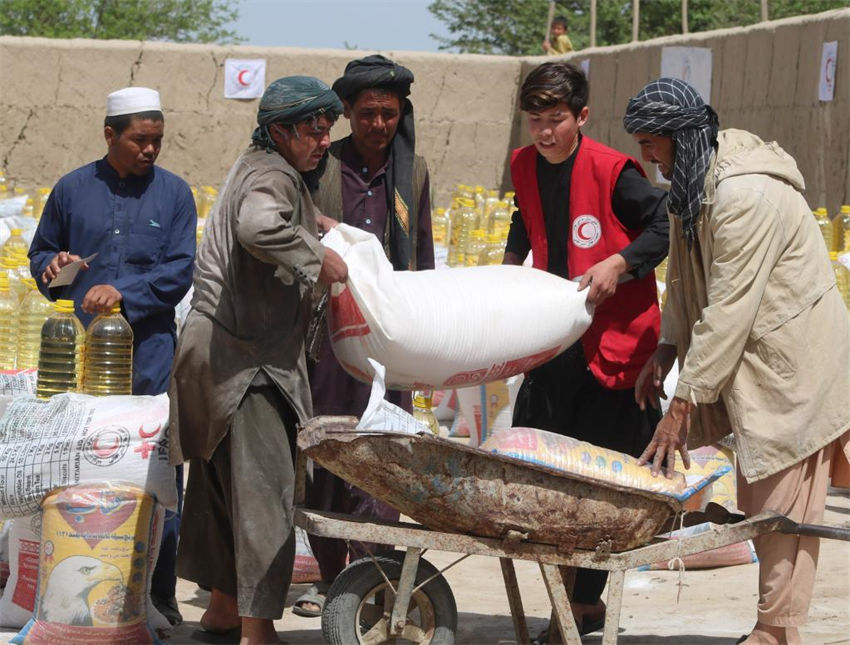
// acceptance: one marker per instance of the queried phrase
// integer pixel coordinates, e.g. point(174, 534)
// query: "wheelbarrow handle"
point(814, 530)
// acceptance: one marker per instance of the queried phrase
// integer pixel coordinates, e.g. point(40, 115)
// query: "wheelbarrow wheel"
point(359, 605)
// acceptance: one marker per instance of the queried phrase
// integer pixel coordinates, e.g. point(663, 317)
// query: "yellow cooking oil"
point(423, 410)
point(15, 241)
point(109, 355)
point(34, 310)
point(842, 278)
point(62, 352)
point(8, 324)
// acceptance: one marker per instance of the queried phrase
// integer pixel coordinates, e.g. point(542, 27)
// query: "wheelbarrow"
point(471, 502)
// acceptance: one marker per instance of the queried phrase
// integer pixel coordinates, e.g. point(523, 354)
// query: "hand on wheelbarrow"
point(671, 433)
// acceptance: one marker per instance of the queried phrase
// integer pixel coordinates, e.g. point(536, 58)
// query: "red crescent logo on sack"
point(586, 231)
point(106, 445)
point(240, 77)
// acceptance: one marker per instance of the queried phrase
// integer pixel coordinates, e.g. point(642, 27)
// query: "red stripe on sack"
point(346, 318)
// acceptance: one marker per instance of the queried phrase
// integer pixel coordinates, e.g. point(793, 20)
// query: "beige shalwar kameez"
point(763, 342)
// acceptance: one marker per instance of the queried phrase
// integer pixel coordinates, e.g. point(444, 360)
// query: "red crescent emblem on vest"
point(587, 231)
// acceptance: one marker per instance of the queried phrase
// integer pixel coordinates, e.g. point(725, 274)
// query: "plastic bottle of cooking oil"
point(109, 355)
point(439, 226)
point(841, 230)
point(463, 223)
point(8, 324)
point(16, 240)
point(423, 410)
point(474, 246)
point(34, 310)
point(500, 218)
point(39, 201)
point(490, 202)
point(9, 266)
point(62, 352)
point(842, 278)
point(494, 251)
point(825, 226)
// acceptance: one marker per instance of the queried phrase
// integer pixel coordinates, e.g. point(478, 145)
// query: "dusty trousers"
point(237, 533)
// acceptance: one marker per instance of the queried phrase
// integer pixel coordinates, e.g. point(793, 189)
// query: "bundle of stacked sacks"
point(87, 485)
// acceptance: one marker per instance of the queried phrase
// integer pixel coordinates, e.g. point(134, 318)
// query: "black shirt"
point(635, 202)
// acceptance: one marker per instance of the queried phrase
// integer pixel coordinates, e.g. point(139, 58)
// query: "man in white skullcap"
point(140, 220)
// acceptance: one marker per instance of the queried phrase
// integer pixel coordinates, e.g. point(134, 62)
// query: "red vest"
point(625, 327)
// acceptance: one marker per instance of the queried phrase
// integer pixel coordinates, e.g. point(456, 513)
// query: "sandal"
point(592, 626)
point(315, 595)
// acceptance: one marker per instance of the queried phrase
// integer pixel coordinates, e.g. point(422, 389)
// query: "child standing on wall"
point(558, 42)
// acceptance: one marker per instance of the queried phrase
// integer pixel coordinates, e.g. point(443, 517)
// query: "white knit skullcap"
point(132, 100)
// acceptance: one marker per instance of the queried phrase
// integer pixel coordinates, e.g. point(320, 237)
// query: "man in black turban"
point(373, 180)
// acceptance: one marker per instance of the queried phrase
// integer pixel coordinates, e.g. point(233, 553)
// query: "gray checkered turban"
point(670, 107)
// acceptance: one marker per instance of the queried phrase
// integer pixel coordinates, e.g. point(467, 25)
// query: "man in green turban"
point(239, 385)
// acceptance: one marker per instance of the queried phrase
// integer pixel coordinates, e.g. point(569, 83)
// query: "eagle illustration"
point(65, 599)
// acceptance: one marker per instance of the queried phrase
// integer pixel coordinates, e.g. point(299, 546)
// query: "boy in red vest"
point(587, 213)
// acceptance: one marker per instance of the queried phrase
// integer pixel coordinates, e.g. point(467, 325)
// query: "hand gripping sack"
point(448, 328)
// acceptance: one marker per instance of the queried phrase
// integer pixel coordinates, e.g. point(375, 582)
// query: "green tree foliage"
point(516, 27)
point(200, 21)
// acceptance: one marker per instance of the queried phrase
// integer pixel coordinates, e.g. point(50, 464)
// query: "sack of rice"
point(74, 438)
point(446, 329)
point(18, 600)
point(14, 382)
point(581, 458)
point(94, 567)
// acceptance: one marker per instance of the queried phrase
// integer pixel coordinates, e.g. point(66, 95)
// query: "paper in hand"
point(68, 272)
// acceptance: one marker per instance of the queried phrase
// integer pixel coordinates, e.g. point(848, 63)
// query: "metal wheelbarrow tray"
point(449, 486)
point(476, 503)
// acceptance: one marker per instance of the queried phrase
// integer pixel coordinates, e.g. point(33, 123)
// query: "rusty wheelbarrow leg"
point(616, 580)
point(515, 601)
point(554, 579)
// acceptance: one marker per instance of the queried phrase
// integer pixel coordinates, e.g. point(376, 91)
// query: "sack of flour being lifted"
point(450, 328)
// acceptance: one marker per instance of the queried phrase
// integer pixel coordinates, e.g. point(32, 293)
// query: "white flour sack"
point(76, 439)
point(448, 328)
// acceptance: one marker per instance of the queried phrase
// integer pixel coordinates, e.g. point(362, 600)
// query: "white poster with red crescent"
point(826, 86)
point(244, 79)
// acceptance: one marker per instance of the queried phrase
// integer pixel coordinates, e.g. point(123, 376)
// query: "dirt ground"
point(716, 606)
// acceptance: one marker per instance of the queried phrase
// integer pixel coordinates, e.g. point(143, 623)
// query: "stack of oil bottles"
point(35, 333)
point(836, 236)
point(473, 230)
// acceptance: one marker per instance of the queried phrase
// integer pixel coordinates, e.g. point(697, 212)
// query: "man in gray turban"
point(239, 387)
point(374, 181)
point(759, 329)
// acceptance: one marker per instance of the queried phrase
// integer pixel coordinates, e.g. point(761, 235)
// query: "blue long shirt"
point(143, 229)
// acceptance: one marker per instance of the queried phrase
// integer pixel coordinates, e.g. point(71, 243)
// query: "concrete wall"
point(53, 93)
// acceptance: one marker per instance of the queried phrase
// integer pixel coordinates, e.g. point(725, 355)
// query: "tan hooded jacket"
point(762, 334)
point(254, 275)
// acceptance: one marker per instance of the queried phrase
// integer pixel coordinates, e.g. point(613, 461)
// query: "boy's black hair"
point(121, 122)
point(560, 20)
point(553, 83)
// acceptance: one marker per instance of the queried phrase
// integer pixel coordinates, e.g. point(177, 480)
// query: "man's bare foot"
point(763, 634)
point(258, 631)
point(222, 614)
point(587, 614)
